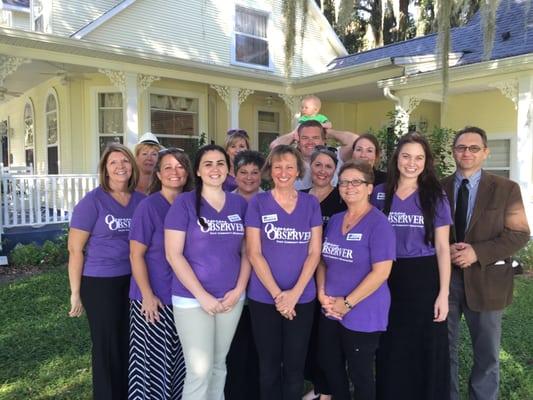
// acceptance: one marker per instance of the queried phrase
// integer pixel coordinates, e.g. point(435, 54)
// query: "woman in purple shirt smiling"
point(156, 362)
point(413, 358)
point(99, 268)
point(204, 232)
point(283, 238)
point(357, 254)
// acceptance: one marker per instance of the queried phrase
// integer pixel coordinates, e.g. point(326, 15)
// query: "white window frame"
point(35, 16)
point(53, 93)
point(30, 103)
point(274, 109)
point(234, 61)
point(202, 111)
point(95, 91)
point(512, 156)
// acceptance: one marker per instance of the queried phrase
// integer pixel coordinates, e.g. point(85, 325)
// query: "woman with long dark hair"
point(366, 148)
point(204, 232)
point(413, 358)
point(156, 366)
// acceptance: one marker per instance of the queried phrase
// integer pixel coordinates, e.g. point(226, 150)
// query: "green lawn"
point(45, 355)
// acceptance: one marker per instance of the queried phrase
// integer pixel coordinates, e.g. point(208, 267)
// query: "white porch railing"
point(42, 199)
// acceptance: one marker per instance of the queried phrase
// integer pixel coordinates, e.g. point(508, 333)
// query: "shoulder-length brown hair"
point(278, 152)
point(103, 178)
point(183, 159)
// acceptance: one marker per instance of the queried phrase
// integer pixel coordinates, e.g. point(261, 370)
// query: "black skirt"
point(413, 356)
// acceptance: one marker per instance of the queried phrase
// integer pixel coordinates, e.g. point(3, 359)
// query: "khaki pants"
point(205, 341)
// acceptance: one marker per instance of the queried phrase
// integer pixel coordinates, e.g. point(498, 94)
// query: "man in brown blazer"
point(490, 226)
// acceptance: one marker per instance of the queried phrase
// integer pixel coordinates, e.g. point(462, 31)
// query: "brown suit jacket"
point(498, 228)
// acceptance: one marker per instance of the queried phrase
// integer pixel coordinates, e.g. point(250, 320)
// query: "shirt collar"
point(473, 181)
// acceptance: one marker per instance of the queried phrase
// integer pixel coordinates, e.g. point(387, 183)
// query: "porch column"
point(404, 106)
point(233, 98)
point(524, 127)
point(132, 109)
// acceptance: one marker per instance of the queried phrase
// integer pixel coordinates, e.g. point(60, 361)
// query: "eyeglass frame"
point(346, 182)
point(472, 148)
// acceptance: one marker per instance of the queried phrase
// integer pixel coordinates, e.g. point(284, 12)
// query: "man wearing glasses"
point(490, 226)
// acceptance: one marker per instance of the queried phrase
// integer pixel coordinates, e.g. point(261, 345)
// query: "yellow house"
point(75, 75)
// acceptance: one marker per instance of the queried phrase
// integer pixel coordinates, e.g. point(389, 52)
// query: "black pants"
point(242, 379)
point(313, 371)
point(282, 347)
point(107, 305)
point(338, 345)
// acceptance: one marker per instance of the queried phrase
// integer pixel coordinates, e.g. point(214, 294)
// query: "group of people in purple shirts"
point(237, 293)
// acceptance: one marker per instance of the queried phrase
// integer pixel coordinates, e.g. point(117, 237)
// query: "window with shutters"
point(250, 46)
point(174, 120)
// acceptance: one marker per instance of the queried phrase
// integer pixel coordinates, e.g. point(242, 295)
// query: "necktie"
point(461, 209)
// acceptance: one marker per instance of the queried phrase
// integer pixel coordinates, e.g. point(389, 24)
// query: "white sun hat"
point(148, 138)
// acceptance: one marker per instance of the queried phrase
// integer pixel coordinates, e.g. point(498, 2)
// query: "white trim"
point(94, 132)
point(263, 108)
point(332, 36)
point(233, 45)
point(52, 92)
point(81, 33)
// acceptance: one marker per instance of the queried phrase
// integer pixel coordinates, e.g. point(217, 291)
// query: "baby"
point(309, 110)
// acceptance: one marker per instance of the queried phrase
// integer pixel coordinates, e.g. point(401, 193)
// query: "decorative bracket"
point(243, 94)
point(8, 65)
point(145, 81)
point(223, 92)
point(292, 102)
point(117, 78)
point(509, 89)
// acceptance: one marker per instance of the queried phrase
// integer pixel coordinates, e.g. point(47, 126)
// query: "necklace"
point(350, 221)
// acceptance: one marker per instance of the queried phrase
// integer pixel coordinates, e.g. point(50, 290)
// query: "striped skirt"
point(156, 366)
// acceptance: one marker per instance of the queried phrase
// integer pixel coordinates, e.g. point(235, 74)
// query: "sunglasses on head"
point(170, 150)
point(232, 132)
point(321, 147)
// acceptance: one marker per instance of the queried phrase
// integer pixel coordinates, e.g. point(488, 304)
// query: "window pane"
point(251, 50)
point(110, 100)
point(29, 157)
point(250, 22)
point(105, 140)
point(189, 145)
point(110, 121)
point(500, 153)
point(51, 128)
point(174, 123)
point(53, 166)
point(51, 103)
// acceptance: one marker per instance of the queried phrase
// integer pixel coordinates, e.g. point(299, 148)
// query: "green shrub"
point(525, 256)
point(25, 255)
point(50, 253)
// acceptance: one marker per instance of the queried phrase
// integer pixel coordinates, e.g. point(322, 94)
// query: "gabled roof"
point(514, 36)
point(102, 18)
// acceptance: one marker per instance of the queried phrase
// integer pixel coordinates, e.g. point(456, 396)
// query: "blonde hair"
point(314, 99)
point(141, 146)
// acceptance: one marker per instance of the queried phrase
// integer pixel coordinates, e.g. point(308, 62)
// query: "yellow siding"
point(20, 20)
point(373, 114)
point(68, 16)
point(427, 112)
point(203, 31)
point(343, 116)
point(489, 110)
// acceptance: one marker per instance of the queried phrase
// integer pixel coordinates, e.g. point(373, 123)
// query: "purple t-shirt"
point(408, 222)
point(230, 184)
point(107, 252)
point(147, 228)
point(214, 254)
point(349, 260)
point(284, 242)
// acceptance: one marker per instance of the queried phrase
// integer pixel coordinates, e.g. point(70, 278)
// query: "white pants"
point(205, 341)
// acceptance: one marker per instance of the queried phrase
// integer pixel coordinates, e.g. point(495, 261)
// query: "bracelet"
point(347, 304)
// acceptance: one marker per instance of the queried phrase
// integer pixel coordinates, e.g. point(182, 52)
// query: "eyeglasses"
point(242, 132)
point(353, 182)
point(472, 149)
point(170, 150)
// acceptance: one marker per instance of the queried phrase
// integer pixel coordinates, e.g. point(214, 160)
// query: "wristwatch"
point(347, 304)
